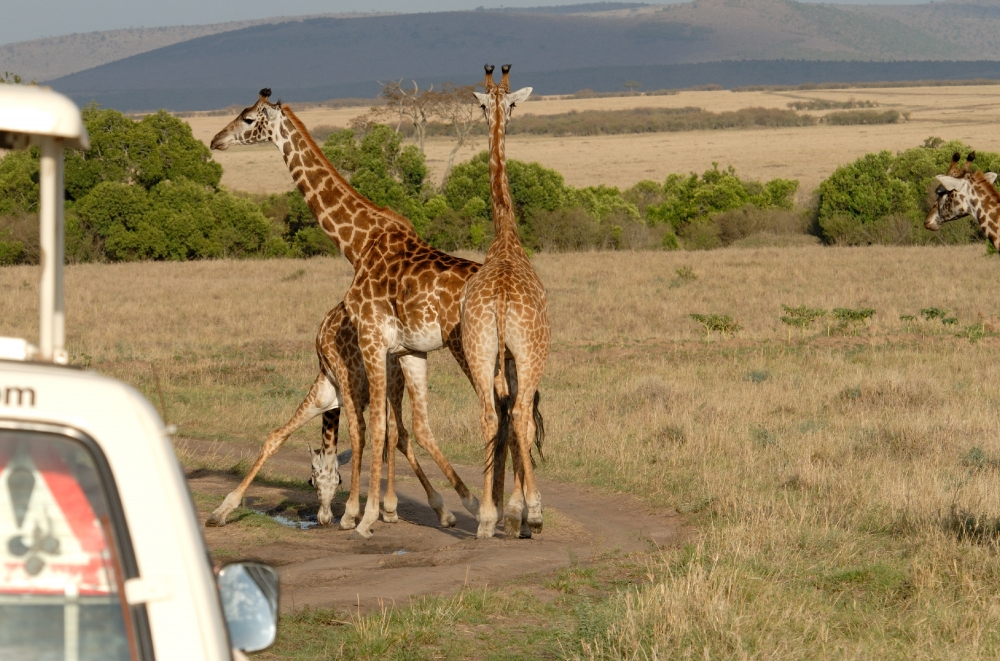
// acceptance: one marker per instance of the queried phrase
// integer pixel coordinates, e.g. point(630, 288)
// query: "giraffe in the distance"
point(506, 336)
point(341, 384)
point(405, 297)
point(962, 192)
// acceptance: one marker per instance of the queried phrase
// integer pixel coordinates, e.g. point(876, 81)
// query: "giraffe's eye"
point(248, 120)
point(941, 191)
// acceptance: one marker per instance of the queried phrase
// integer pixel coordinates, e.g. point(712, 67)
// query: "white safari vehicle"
point(101, 555)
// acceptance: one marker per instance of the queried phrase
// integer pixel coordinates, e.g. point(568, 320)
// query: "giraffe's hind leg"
point(395, 387)
point(390, 502)
point(415, 370)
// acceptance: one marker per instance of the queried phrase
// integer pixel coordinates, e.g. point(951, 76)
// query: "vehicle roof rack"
point(38, 116)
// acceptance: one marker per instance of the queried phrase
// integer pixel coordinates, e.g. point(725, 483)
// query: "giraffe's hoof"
point(347, 522)
point(215, 520)
point(486, 530)
point(513, 526)
point(535, 526)
point(390, 517)
point(447, 519)
point(359, 534)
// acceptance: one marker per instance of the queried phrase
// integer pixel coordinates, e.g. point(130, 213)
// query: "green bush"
point(689, 201)
point(19, 182)
point(19, 238)
point(11, 252)
point(159, 147)
point(883, 198)
point(853, 117)
point(649, 120)
point(176, 220)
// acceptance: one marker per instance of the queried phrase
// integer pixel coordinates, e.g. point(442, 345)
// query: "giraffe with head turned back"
point(962, 192)
point(506, 336)
point(341, 384)
point(405, 296)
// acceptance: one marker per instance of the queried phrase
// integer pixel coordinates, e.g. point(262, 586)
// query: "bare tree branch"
point(415, 106)
point(455, 106)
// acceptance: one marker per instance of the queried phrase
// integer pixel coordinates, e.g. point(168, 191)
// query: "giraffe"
point(341, 384)
point(961, 193)
point(405, 296)
point(506, 335)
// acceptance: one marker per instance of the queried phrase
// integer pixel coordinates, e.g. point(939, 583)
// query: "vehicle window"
point(59, 573)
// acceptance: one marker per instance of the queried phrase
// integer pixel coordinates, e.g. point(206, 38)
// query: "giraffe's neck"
point(504, 219)
point(347, 217)
point(987, 210)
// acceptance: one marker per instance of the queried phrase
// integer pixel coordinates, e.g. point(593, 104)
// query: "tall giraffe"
point(506, 334)
point(341, 384)
point(405, 297)
point(962, 192)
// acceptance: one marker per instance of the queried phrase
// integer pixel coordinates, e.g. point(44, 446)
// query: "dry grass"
point(843, 488)
point(808, 154)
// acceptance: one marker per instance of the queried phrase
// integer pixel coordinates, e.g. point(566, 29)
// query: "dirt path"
point(328, 567)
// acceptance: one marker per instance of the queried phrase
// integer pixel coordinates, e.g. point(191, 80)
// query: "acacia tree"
point(455, 106)
point(415, 106)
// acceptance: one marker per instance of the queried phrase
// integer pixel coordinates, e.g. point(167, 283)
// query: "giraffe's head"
point(956, 193)
point(258, 123)
point(325, 477)
point(499, 97)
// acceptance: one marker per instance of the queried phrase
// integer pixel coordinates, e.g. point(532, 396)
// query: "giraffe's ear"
point(990, 176)
point(950, 183)
point(520, 96)
point(482, 98)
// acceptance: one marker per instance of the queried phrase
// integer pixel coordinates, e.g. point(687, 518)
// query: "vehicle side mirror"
point(249, 593)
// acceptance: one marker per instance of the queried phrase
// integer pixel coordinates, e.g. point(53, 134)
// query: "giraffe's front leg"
point(375, 359)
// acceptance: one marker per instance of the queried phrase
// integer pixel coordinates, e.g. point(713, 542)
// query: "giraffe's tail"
point(503, 399)
point(536, 415)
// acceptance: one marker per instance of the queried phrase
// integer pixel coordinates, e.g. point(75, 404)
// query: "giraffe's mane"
point(301, 128)
point(979, 178)
point(304, 132)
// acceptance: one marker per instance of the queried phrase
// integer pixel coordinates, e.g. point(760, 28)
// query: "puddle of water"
point(304, 524)
point(402, 552)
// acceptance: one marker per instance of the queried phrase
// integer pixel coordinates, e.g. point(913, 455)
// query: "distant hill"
point(969, 25)
point(598, 46)
point(54, 57)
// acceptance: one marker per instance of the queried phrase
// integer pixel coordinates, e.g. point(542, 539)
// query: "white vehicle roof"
point(175, 578)
point(39, 111)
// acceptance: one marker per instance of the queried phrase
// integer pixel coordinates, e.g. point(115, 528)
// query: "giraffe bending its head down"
point(506, 337)
point(961, 193)
point(405, 296)
point(341, 384)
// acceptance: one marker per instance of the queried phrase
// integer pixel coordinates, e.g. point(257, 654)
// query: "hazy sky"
point(21, 20)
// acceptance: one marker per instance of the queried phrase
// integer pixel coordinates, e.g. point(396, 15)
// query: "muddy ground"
point(332, 568)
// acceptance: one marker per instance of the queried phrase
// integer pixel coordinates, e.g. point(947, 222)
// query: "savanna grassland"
point(806, 153)
point(840, 483)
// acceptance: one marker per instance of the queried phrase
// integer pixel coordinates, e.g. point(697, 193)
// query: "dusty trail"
point(328, 567)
